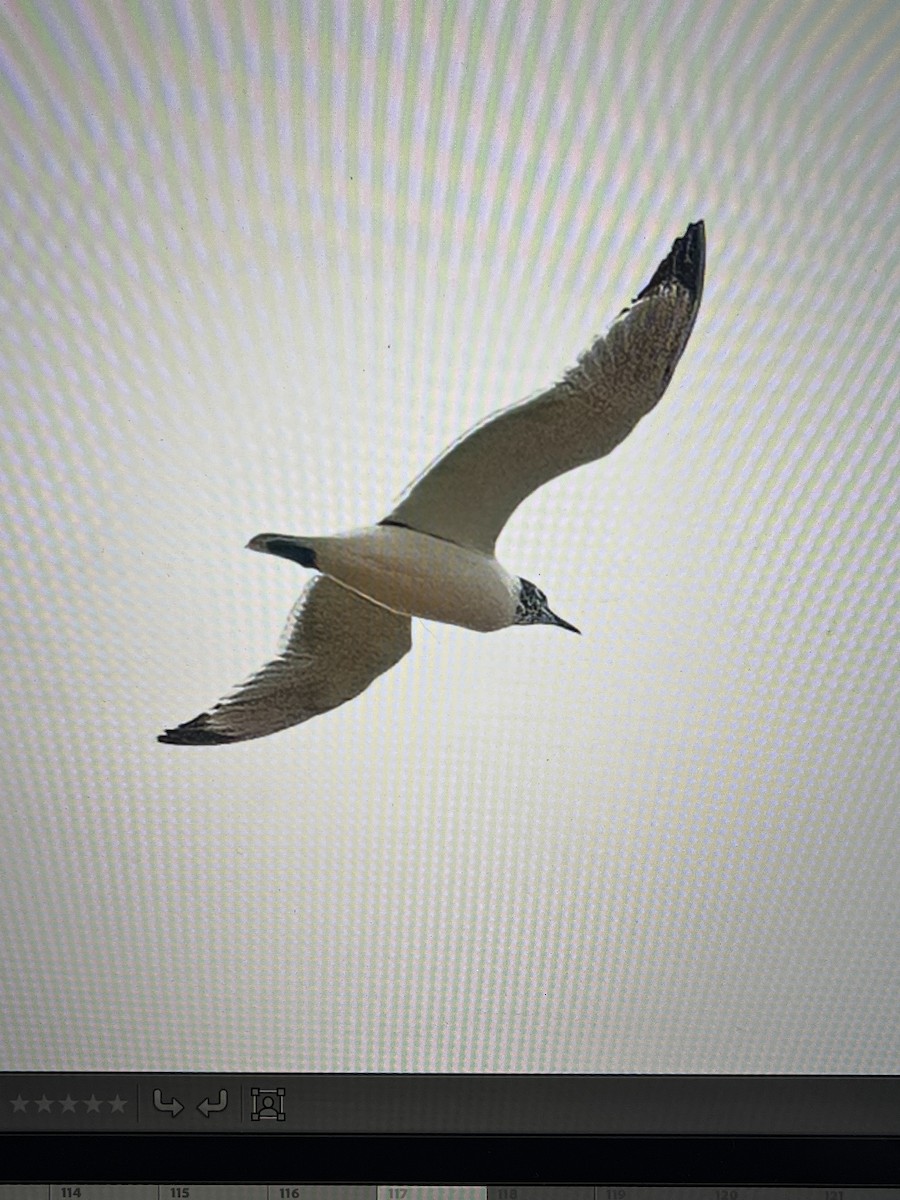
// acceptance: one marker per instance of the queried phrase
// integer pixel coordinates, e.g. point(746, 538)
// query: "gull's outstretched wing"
point(468, 494)
point(334, 645)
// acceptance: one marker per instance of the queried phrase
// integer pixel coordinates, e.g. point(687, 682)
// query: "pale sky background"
point(262, 262)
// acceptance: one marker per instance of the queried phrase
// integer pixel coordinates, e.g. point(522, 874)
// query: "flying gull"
point(433, 556)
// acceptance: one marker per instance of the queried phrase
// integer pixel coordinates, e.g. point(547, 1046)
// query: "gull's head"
point(532, 608)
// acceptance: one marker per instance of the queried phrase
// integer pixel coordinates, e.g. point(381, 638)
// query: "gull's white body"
point(433, 555)
point(417, 575)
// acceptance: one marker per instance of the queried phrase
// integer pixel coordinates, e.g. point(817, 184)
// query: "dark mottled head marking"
point(532, 602)
point(532, 608)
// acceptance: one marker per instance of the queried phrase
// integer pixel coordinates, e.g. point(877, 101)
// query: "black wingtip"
point(684, 264)
point(195, 733)
point(284, 547)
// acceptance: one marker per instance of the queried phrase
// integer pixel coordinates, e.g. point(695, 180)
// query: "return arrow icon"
point(206, 1106)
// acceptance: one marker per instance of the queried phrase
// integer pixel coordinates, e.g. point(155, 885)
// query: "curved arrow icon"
point(206, 1106)
point(173, 1106)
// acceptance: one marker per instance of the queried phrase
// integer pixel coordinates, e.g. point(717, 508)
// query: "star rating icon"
point(44, 1104)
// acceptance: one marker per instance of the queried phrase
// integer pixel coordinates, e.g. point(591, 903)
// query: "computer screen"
point(263, 264)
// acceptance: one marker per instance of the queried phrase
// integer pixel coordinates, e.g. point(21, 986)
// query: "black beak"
point(555, 620)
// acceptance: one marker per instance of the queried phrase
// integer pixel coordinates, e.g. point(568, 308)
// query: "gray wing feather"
point(334, 645)
point(471, 490)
